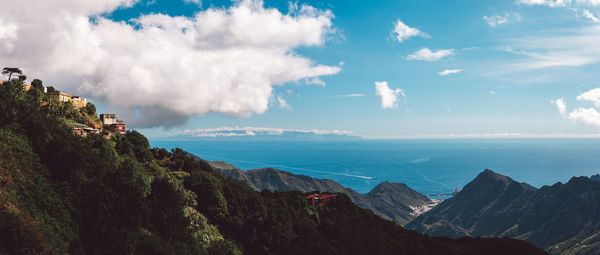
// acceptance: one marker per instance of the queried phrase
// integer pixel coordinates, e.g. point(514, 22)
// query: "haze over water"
point(426, 165)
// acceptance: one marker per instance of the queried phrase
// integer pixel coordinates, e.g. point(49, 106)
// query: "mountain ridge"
point(391, 201)
point(562, 218)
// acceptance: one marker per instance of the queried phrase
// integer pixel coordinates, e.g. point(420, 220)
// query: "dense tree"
point(90, 109)
point(141, 146)
point(10, 71)
point(22, 78)
point(160, 154)
point(37, 84)
point(51, 89)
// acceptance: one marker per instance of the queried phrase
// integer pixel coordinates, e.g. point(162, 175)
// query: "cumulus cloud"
point(588, 116)
point(403, 32)
point(253, 131)
point(592, 96)
point(426, 54)
point(561, 106)
point(388, 96)
point(283, 104)
point(450, 71)
point(159, 70)
point(494, 21)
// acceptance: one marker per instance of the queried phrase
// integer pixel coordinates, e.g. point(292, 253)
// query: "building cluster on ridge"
point(78, 101)
point(110, 122)
point(322, 199)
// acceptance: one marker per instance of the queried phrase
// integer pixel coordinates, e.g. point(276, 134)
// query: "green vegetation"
point(10, 71)
point(65, 194)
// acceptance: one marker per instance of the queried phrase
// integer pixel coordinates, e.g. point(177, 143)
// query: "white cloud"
point(561, 106)
point(494, 21)
point(588, 116)
point(551, 3)
point(315, 81)
point(592, 96)
point(492, 92)
point(403, 32)
point(501, 135)
point(253, 131)
point(8, 34)
point(196, 2)
point(559, 3)
point(587, 14)
point(161, 70)
point(388, 97)
point(554, 48)
point(350, 95)
point(426, 54)
point(450, 71)
point(283, 104)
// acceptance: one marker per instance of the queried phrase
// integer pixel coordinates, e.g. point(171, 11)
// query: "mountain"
point(63, 193)
point(391, 201)
point(563, 218)
point(595, 177)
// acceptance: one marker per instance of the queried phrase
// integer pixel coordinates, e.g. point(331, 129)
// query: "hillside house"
point(79, 101)
point(82, 129)
point(323, 199)
point(111, 123)
point(60, 96)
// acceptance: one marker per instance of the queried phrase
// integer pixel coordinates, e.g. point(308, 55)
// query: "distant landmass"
point(391, 201)
point(563, 218)
point(262, 134)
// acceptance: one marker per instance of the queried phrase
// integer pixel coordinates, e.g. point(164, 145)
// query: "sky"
point(376, 69)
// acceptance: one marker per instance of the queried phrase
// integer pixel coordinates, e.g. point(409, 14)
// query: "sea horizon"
point(426, 165)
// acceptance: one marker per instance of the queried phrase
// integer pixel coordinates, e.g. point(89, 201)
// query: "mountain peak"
point(489, 175)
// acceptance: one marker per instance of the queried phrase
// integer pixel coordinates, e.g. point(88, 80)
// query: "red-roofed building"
point(322, 199)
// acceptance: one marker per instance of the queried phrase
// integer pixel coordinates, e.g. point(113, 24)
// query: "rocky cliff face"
point(562, 218)
point(392, 201)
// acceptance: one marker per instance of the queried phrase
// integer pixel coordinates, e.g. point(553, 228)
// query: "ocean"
point(426, 165)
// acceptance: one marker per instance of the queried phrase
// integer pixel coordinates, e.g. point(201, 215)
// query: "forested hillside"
point(392, 201)
point(61, 193)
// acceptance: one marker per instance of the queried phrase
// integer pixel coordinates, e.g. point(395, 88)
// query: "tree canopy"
point(37, 84)
point(10, 71)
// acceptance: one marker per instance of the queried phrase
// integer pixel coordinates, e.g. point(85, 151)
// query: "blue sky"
point(511, 59)
point(435, 105)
